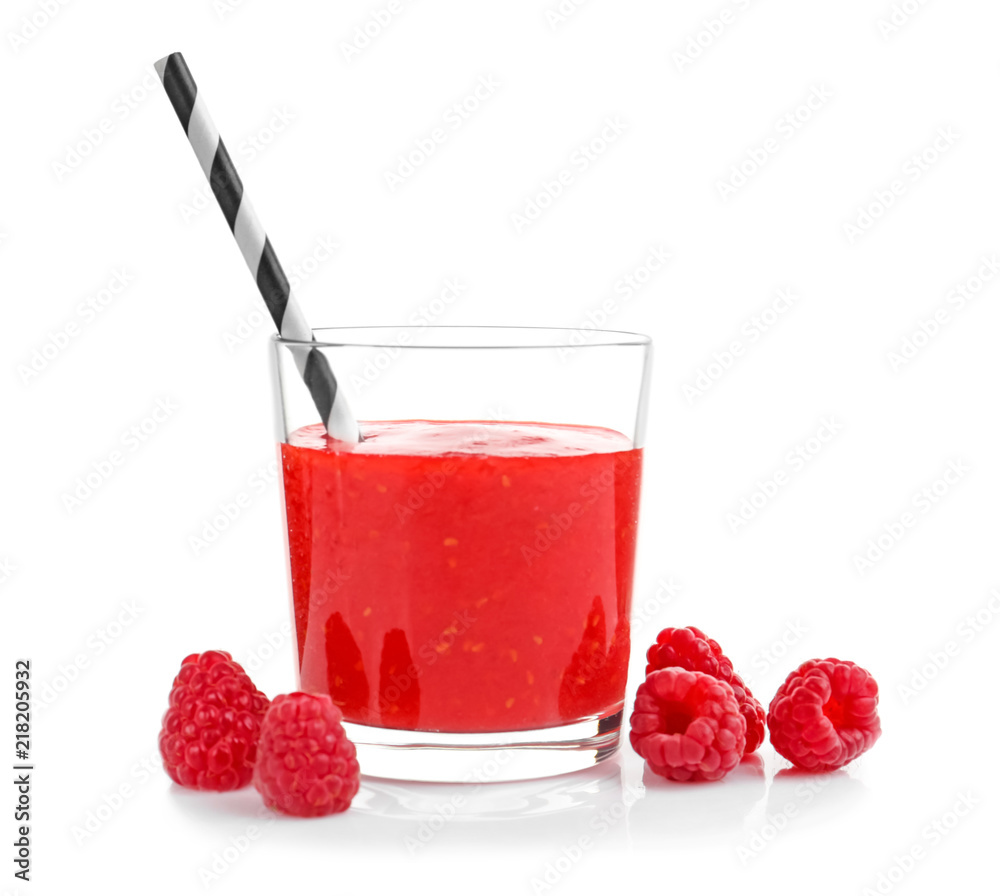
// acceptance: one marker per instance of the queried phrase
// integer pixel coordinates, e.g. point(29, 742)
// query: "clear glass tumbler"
point(461, 579)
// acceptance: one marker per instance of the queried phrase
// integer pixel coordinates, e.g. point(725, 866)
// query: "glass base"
point(484, 757)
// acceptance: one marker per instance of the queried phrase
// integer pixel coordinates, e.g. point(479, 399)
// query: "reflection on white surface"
point(814, 797)
point(408, 818)
point(588, 789)
point(235, 804)
point(617, 804)
point(680, 810)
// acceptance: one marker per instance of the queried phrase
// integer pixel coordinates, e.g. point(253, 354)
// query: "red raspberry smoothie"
point(463, 576)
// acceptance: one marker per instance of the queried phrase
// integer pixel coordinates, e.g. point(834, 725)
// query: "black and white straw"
point(254, 244)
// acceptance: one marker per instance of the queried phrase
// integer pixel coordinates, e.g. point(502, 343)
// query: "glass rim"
point(544, 337)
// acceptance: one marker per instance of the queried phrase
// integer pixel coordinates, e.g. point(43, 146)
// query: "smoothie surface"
point(439, 438)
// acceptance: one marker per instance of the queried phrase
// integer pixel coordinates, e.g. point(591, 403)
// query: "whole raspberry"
point(687, 725)
point(690, 648)
point(825, 714)
point(208, 739)
point(306, 765)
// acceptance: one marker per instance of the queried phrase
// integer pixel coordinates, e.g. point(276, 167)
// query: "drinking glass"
point(461, 579)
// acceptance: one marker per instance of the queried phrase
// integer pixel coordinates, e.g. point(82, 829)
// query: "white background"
point(782, 588)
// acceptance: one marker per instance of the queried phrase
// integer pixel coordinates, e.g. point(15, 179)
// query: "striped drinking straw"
point(254, 244)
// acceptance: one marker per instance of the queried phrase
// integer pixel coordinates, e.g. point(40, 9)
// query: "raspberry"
point(753, 714)
point(687, 725)
point(208, 739)
point(689, 648)
point(825, 714)
point(306, 764)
